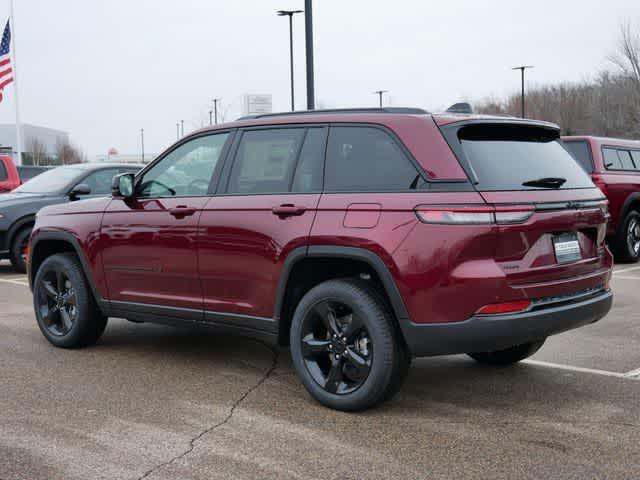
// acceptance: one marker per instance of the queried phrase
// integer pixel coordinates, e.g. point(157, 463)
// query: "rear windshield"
point(579, 149)
point(515, 157)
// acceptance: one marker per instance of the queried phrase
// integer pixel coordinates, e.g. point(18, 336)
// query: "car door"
point(149, 242)
point(265, 208)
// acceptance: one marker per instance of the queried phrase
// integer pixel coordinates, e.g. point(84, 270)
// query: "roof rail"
point(401, 110)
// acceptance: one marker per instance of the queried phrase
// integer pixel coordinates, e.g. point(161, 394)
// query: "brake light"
point(597, 180)
point(507, 307)
point(474, 215)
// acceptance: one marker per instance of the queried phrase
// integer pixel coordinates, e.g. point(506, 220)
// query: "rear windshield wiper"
point(547, 182)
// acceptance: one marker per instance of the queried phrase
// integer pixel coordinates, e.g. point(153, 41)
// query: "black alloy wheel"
point(346, 347)
point(65, 308)
point(336, 347)
point(57, 303)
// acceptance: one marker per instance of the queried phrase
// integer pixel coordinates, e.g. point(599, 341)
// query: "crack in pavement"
point(234, 406)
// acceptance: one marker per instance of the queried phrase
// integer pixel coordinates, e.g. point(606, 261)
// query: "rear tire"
point(345, 348)
point(508, 356)
point(627, 242)
point(65, 309)
point(17, 253)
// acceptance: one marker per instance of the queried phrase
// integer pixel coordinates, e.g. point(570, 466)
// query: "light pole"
point(142, 142)
point(215, 109)
point(182, 128)
point(379, 93)
point(522, 68)
point(290, 14)
point(308, 30)
point(177, 130)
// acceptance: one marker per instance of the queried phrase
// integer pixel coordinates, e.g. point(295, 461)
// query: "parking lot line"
point(14, 282)
point(593, 371)
point(626, 277)
point(633, 374)
point(630, 269)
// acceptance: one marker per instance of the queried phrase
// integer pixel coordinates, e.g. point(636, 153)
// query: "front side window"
point(265, 161)
point(100, 182)
point(361, 159)
point(635, 154)
point(185, 171)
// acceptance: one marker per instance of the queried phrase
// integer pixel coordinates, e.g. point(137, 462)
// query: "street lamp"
point(142, 142)
point(290, 14)
point(379, 93)
point(522, 68)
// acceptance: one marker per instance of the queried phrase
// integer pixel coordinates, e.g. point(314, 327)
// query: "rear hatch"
point(551, 219)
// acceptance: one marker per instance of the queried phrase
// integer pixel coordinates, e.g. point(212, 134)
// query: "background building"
point(41, 141)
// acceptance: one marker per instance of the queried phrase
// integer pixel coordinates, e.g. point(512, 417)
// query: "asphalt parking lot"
point(162, 403)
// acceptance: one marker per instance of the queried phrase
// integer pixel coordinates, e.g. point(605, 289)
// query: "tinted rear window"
point(503, 157)
point(3, 172)
point(582, 153)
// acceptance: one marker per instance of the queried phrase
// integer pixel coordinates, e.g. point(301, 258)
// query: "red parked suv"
point(361, 238)
point(614, 166)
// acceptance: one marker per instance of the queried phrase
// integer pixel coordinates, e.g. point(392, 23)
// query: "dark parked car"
point(63, 184)
point(12, 176)
point(362, 238)
point(614, 166)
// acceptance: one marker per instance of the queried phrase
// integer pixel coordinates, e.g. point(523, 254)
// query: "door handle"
point(289, 210)
point(182, 211)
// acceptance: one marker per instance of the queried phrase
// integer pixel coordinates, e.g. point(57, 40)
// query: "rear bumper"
point(496, 332)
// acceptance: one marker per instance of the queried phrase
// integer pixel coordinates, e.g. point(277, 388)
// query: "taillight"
point(506, 307)
point(597, 179)
point(474, 215)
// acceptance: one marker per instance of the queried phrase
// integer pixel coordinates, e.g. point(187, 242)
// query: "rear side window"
point(625, 160)
point(366, 159)
point(581, 151)
point(265, 161)
point(3, 172)
point(611, 159)
point(635, 154)
point(517, 157)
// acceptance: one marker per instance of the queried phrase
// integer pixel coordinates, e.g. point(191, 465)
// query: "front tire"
point(627, 243)
point(508, 356)
point(18, 251)
point(65, 309)
point(345, 348)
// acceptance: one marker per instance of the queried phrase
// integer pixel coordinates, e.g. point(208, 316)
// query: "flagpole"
point(15, 84)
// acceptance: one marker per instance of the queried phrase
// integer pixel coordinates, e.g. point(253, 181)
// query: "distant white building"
point(124, 158)
point(49, 138)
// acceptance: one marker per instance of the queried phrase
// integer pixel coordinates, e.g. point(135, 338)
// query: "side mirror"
point(122, 185)
point(78, 190)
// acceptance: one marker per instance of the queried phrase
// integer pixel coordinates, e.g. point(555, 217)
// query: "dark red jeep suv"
point(614, 166)
point(360, 238)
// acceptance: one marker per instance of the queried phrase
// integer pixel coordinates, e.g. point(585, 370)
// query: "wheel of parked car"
point(19, 246)
point(627, 247)
point(345, 347)
point(508, 356)
point(65, 309)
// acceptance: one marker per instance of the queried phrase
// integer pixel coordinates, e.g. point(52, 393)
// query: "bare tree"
point(627, 58)
point(68, 153)
point(38, 151)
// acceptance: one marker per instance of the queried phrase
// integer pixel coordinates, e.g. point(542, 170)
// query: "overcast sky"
point(102, 70)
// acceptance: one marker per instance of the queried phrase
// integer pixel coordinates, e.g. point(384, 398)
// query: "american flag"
point(6, 71)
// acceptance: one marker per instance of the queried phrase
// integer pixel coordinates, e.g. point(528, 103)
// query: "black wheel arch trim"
point(75, 244)
point(17, 226)
point(626, 207)
point(353, 253)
